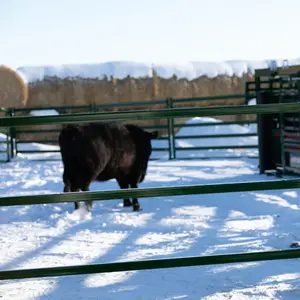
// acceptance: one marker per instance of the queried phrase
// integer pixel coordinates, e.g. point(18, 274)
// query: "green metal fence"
point(169, 128)
point(174, 103)
point(150, 192)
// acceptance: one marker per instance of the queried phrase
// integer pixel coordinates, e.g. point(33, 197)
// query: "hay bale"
point(13, 89)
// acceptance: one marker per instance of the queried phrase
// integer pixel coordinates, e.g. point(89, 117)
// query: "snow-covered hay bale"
point(13, 89)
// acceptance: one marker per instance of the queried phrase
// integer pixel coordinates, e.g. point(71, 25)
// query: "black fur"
point(103, 151)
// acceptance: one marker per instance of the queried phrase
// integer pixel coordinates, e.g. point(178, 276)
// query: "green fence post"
point(8, 138)
point(14, 140)
point(92, 107)
point(173, 129)
point(248, 93)
point(281, 130)
point(169, 132)
point(12, 134)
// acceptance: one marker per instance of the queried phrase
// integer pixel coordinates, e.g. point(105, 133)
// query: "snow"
point(49, 235)
point(121, 69)
point(215, 130)
point(3, 156)
point(252, 102)
point(44, 112)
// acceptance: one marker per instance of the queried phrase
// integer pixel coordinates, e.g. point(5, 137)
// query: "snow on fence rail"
point(150, 264)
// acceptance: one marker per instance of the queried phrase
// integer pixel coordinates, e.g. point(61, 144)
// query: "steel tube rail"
point(149, 264)
point(151, 114)
point(151, 192)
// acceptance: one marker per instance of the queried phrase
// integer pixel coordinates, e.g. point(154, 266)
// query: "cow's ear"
point(154, 135)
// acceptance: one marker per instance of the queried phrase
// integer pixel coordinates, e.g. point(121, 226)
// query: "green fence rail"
point(169, 128)
point(150, 264)
point(151, 192)
point(151, 114)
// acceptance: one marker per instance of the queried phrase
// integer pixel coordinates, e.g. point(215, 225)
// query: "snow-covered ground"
point(121, 69)
point(54, 235)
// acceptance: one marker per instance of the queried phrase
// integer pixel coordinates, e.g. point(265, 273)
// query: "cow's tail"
point(70, 139)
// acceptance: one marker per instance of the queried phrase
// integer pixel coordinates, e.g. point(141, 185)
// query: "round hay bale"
point(13, 89)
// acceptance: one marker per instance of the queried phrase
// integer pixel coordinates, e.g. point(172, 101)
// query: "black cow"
point(102, 151)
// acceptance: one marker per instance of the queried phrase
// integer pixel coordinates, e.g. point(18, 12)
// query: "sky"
point(47, 32)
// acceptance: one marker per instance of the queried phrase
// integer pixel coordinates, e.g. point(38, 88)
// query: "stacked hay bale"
point(55, 91)
point(14, 93)
point(13, 88)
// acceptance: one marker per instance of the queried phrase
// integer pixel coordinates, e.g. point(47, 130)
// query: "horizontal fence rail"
point(215, 147)
point(150, 264)
point(151, 114)
point(38, 131)
point(209, 98)
point(134, 103)
point(151, 192)
point(206, 136)
point(179, 125)
point(92, 106)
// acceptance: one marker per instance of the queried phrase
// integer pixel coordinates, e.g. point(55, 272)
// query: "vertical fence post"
point(169, 132)
point(92, 107)
point(14, 140)
point(281, 130)
point(173, 129)
point(11, 133)
point(8, 138)
point(247, 92)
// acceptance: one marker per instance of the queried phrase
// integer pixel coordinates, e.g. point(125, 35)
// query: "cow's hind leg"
point(89, 203)
point(75, 189)
point(68, 188)
point(135, 201)
point(124, 185)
